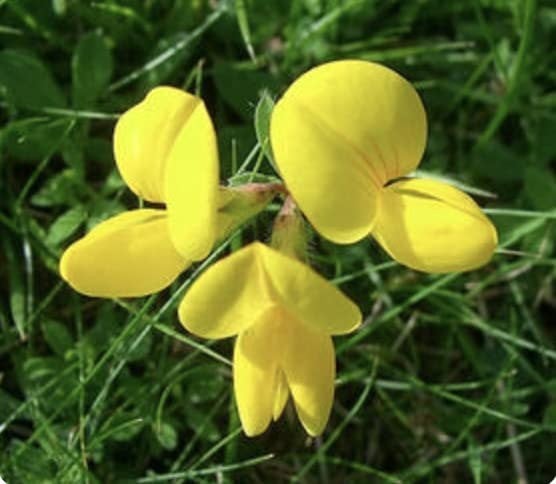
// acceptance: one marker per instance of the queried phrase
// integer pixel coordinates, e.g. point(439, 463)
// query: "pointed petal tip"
point(251, 430)
point(281, 396)
point(313, 430)
point(254, 372)
point(309, 365)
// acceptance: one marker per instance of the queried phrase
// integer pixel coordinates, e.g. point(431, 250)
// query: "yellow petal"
point(275, 353)
point(433, 227)
point(144, 136)
point(191, 186)
point(281, 395)
point(228, 297)
point(255, 373)
point(129, 255)
point(306, 294)
point(233, 293)
point(338, 134)
point(309, 365)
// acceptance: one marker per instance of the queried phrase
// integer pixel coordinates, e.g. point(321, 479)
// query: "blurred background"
point(452, 379)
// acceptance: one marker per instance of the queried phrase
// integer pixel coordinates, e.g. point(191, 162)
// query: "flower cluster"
point(345, 137)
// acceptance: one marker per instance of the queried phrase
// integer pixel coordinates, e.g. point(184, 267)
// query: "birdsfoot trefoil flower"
point(344, 136)
point(283, 314)
point(166, 151)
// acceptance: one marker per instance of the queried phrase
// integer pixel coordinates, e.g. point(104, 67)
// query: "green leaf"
point(92, 67)
point(65, 225)
point(17, 292)
point(57, 336)
point(27, 81)
point(263, 112)
point(39, 369)
point(61, 189)
point(475, 462)
point(167, 436)
point(243, 23)
point(60, 7)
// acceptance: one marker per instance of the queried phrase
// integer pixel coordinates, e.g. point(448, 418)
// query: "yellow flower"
point(165, 148)
point(283, 314)
point(343, 135)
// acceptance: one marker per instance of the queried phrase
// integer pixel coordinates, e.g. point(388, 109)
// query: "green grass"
point(451, 379)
